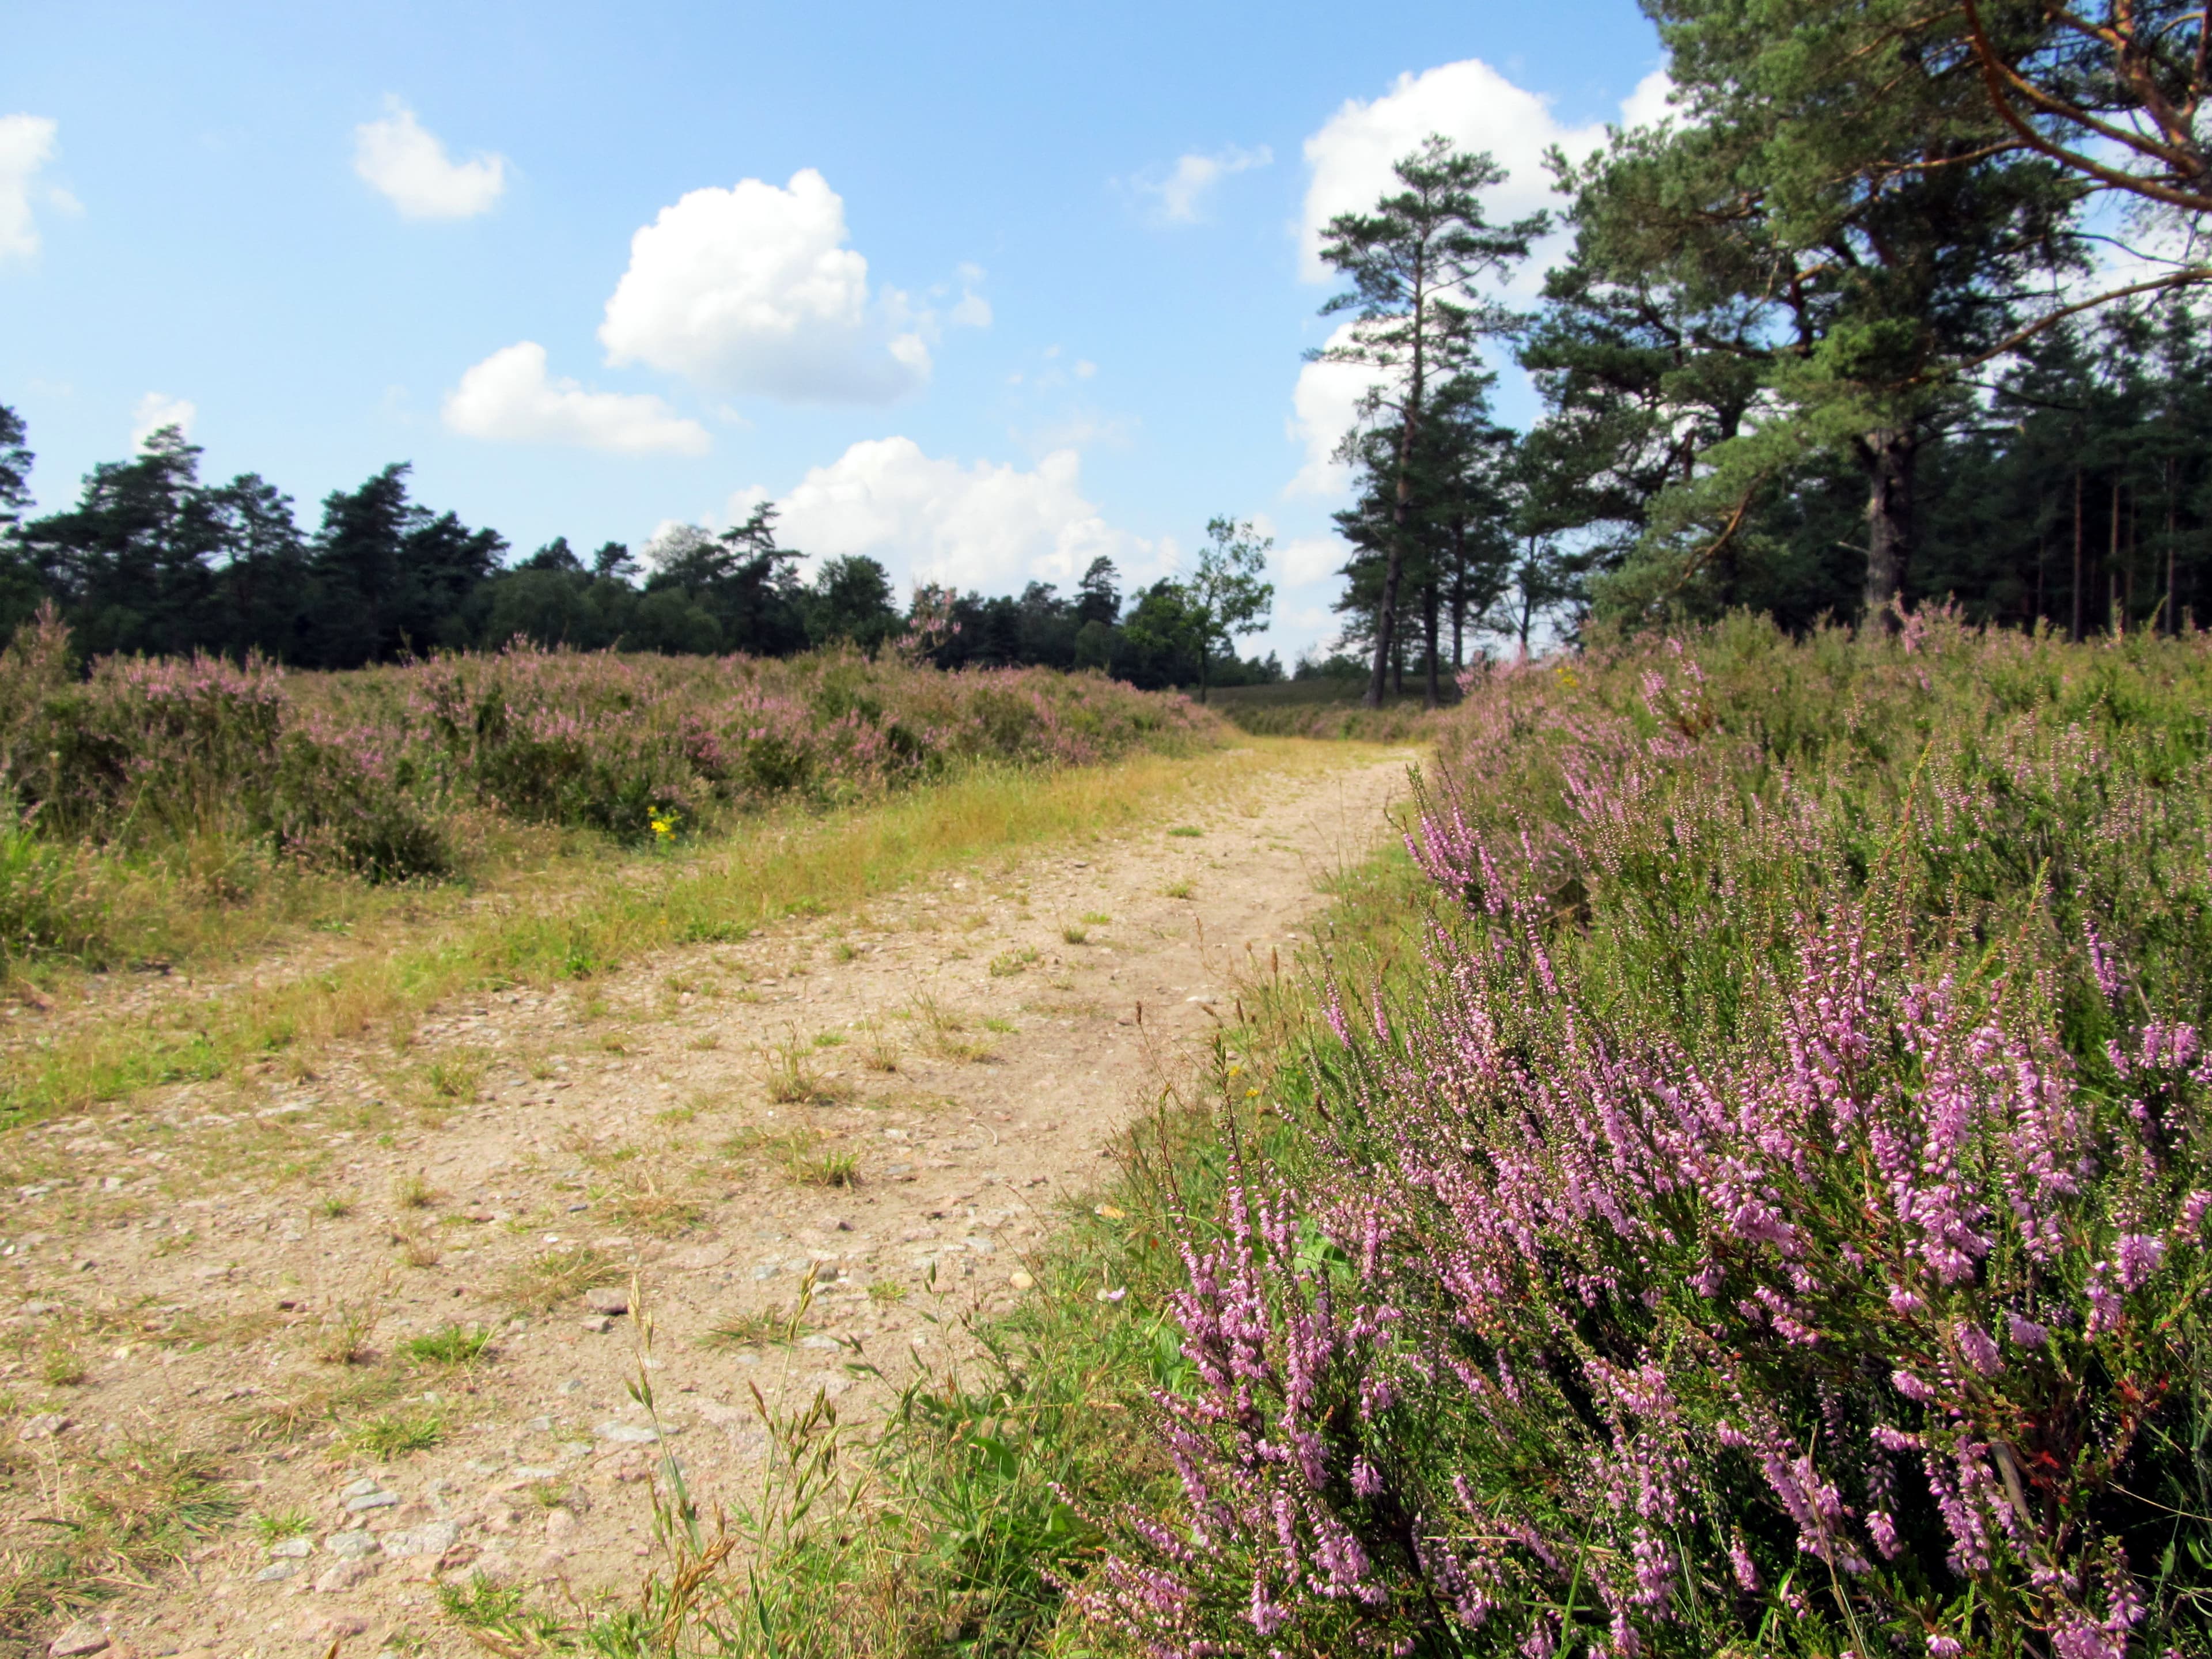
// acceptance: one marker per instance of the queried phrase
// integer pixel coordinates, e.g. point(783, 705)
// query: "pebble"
point(572, 1386)
point(819, 1342)
point(607, 1301)
point(600, 1323)
point(76, 1641)
point(276, 1572)
point(539, 1425)
point(45, 1426)
point(292, 1549)
point(434, 1538)
point(351, 1546)
point(343, 1575)
point(329, 1627)
point(360, 1488)
point(627, 1434)
point(372, 1500)
point(559, 1524)
point(1020, 1280)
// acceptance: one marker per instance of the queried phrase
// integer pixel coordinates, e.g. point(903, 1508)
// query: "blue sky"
point(981, 290)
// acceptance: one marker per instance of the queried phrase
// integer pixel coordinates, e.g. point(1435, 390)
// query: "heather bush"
point(1769, 1218)
point(384, 772)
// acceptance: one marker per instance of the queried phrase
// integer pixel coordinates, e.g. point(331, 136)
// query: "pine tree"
point(1413, 265)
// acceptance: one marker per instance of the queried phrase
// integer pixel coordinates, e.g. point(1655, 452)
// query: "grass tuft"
point(788, 1070)
point(123, 1516)
point(557, 1275)
point(826, 1170)
point(395, 1434)
point(451, 1345)
point(458, 1078)
point(275, 1524)
point(339, 1336)
point(643, 1208)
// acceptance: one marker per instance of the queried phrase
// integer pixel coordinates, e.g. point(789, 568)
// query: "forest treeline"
point(1899, 303)
point(152, 559)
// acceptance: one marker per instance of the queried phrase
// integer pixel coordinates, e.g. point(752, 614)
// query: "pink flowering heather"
point(369, 769)
point(1778, 1194)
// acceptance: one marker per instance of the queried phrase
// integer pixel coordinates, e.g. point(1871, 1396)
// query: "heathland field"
point(1705, 1153)
point(392, 1056)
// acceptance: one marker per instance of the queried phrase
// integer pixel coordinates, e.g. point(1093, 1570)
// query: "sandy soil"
point(191, 1254)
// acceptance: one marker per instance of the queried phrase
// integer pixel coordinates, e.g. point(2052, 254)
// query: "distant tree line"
point(1838, 335)
point(151, 559)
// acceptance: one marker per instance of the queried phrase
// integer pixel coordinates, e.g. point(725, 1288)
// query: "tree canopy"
point(151, 558)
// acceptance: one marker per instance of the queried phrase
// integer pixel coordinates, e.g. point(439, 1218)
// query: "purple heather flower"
point(1883, 1530)
point(2025, 1332)
point(1746, 1569)
point(2191, 1226)
point(1980, 1351)
point(2138, 1255)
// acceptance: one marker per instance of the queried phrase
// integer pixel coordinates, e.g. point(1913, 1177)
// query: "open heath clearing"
point(320, 1334)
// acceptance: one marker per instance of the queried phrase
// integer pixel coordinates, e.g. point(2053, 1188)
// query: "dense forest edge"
point(152, 561)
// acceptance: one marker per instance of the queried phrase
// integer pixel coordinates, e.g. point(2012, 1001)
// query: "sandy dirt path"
point(966, 1048)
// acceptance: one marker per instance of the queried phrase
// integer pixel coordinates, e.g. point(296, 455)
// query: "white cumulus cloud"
point(397, 157)
point(1477, 108)
point(1312, 559)
point(753, 289)
point(1178, 194)
point(1651, 102)
point(27, 143)
point(509, 395)
point(1350, 161)
point(984, 526)
point(1324, 406)
point(157, 410)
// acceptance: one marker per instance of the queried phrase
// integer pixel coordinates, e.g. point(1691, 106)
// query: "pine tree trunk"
point(1459, 599)
point(2073, 629)
point(1890, 454)
point(1402, 508)
point(1386, 613)
point(2113, 621)
point(1430, 695)
point(2172, 615)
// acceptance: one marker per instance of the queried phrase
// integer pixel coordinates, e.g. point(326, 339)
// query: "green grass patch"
point(395, 1434)
point(449, 1345)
